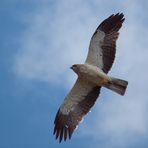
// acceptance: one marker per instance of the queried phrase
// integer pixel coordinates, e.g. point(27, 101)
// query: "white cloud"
point(51, 44)
point(121, 118)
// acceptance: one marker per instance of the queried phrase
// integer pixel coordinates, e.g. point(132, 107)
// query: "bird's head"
point(75, 68)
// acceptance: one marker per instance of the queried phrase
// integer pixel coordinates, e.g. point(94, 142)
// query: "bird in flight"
point(92, 75)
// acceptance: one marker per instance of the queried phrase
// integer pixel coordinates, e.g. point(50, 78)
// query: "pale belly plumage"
point(93, 74)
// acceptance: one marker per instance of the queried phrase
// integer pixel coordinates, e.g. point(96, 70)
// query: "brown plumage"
point(92, 75)
point(110, 26)
point(65, 124)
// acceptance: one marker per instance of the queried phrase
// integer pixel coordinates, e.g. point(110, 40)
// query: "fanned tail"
point(117, 85)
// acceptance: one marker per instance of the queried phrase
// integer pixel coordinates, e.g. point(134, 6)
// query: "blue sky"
point(39, 41)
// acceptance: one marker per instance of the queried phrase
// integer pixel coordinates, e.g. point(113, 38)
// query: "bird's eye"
point(74, 66)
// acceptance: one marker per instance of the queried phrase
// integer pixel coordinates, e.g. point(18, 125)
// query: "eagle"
point(92, 75)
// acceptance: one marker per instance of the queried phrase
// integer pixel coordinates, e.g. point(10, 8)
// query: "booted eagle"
point(92, 75)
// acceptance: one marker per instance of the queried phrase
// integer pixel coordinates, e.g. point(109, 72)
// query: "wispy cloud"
point(121, 119)
point(52, 43)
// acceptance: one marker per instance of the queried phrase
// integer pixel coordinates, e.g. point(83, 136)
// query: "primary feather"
point(91, 77)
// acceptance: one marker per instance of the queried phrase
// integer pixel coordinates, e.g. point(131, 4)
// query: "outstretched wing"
point(102, 47)
point(77, 104)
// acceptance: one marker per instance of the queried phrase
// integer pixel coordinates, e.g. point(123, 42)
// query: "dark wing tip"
point(65, 125)
point(112, 23)
point(62, 128)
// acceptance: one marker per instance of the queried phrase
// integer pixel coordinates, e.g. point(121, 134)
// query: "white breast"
point(93, 74)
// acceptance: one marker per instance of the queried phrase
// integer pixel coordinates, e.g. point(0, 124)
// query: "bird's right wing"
point(102, 47)
point(77, 104)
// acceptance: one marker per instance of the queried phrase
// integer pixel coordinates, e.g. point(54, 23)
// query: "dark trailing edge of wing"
point(112, 23)
point(110, 26)
point(66, 124)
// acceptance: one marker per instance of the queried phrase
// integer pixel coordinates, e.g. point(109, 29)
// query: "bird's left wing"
point(77, 104)
point(102, 47)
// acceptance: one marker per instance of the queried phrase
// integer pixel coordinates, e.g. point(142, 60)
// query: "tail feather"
point(117, 85)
